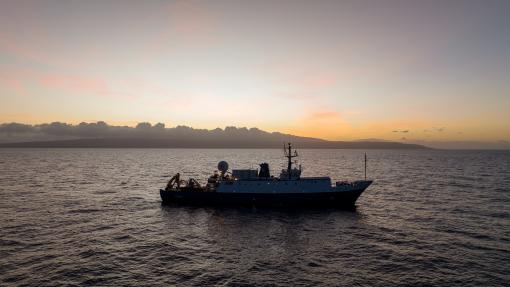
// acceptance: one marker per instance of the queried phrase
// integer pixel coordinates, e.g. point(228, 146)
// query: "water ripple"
point(94, 218)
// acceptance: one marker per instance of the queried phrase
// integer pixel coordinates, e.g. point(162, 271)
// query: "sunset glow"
point(342, 70)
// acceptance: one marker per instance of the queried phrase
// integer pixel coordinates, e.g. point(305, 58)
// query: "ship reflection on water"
point(264, 245)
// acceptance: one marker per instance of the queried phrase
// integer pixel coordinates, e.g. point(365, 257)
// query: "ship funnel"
point(264, 170)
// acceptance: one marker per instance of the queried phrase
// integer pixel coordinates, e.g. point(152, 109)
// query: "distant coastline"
point(145, 135)
point(176, 143)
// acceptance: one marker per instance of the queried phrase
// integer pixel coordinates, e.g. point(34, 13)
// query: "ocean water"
point(93, 217)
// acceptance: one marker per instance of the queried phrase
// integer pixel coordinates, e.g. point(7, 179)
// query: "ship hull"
point(341, 199)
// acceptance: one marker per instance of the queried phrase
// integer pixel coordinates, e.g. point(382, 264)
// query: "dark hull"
point(329, 199)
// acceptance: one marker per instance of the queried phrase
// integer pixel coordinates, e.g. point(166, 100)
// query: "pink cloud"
point(83, 84)
point(17, 80)
point(74, 83)
point(12, 83)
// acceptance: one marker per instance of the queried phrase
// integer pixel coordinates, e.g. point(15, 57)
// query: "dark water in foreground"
point(93, 217)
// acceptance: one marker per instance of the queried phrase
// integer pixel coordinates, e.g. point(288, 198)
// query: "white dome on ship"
point(223, 166)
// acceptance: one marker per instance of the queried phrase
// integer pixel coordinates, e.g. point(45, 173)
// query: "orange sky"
point(428, 70)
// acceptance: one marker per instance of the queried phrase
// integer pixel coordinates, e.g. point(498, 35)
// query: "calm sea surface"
point(94, 217)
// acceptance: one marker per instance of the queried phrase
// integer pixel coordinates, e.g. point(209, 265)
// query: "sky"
point(340, 70)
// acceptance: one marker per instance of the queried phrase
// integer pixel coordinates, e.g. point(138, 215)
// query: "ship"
point(257, 187)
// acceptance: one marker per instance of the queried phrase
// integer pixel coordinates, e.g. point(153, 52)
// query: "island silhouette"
point(146, 135)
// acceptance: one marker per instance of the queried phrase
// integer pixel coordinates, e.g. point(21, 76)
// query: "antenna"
point(365, 166)
point(289, 156)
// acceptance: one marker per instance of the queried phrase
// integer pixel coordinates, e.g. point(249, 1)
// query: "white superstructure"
point(289, 181)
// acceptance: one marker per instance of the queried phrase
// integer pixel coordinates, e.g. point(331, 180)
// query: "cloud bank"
point(144, 134)
point(17, 132)
point(100, 134)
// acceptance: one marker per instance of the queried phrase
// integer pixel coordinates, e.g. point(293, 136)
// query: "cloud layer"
point(15, 132)
point(145, 134)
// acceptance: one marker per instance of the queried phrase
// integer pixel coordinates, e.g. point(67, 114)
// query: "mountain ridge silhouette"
point(145, 135)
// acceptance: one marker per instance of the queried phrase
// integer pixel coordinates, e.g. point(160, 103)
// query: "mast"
point(365, 166)
point(289, 157)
